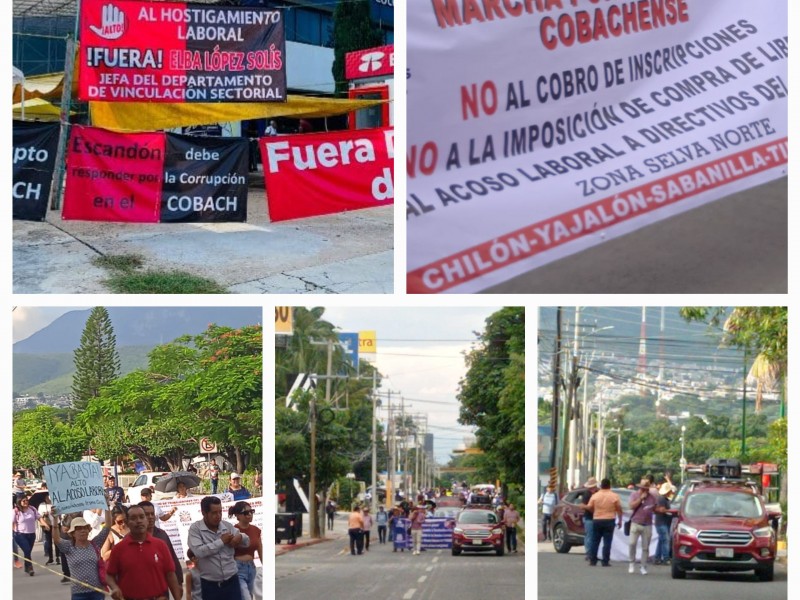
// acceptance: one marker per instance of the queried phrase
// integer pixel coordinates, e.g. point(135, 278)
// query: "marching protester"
point(245, 557)
point(382, 519)
point(114, 493)
point(510, 520)
point(46, 511)
point(183, 491)
point(604, 505)
point(548, 501)
point(83, 556)
point(213, 543)
point(150, 512)
point(235, 488)
point(161, 515)
point(355, 529)
point(643, 505)
point(191, 583)
point(367, 518)
point(141, 566)
point(663, 521)
point(417, 519)
point(24, 528)
point(119, 530)
point(588, 519)
point(94, 518)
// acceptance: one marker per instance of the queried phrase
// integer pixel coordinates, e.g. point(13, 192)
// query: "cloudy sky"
point(421, 352)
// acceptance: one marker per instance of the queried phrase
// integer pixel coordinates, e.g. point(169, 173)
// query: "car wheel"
point(677, 572)
point(766, 573)
point(560, 542)
point(500, 551)
point(455, 551)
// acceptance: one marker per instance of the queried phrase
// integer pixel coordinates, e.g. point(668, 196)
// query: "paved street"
point(345, 253)
point(568, 576)
point(328, 570)
point(45, 585)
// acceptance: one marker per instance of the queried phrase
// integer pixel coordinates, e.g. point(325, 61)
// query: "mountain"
point(139, 326)
point(43, 362)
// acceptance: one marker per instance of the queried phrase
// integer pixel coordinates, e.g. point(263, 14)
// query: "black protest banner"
point(35, 146)
point(205, 179)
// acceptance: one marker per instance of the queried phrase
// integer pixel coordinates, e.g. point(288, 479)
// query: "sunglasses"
point(247, 513)
point(120, 522)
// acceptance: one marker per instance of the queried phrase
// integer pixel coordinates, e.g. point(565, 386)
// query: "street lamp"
point(683, 447)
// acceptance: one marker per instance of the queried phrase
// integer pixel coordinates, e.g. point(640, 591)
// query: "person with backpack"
point(24, 528)
point(86, 566)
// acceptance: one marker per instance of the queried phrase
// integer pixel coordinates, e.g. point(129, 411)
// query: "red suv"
point(723, 526)
point(478, 529)
point(566, 523)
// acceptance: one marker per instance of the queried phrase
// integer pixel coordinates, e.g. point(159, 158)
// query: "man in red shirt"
point(140, 566)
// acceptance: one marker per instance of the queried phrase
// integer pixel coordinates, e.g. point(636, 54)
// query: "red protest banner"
point(135, 51)
point(113, 176)
point(323, 173)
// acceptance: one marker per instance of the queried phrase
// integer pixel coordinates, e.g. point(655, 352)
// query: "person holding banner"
point(236, 489)
point(213, 543)
point(24, 528)
point(161, 515)
point(141, 566)
point(84, 557)
point(245, 557)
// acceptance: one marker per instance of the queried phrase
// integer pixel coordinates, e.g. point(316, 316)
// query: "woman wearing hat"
point(84, 557)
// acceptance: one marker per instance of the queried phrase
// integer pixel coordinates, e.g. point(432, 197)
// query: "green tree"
point(492, 396)
point(209, 385)
point(96, 359)
point(42, 436)
point(352, 30)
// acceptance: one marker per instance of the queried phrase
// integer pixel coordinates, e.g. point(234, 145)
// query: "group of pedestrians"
point(603, 510)
point(120, 551)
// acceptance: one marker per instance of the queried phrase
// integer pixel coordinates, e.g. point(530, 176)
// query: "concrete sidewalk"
point(348, 253)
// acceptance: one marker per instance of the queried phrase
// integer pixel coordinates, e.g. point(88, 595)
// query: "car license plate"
point(724, 552)
point(477, 542)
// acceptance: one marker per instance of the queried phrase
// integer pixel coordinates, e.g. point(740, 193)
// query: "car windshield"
point(723, 505)
point(477, 517)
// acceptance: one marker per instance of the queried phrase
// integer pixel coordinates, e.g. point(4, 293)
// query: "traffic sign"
point(207, 446)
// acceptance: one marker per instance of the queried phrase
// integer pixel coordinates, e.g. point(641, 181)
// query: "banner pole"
point(66, 95)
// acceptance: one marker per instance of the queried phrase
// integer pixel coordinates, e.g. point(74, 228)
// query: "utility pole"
point(744, 403)
point(554, 415)
point(312, 480)
point(573, 412)
point(374, 507)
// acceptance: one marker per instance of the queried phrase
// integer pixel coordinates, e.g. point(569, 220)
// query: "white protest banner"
point(177, 527)
point(539, 128)
point(75, 486)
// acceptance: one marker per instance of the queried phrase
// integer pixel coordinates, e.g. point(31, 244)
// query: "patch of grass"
point(129, 278)
point(120, 262)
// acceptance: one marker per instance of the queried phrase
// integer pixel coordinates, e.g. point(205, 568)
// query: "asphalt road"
point(328, 570)
point(737, 244)
point(569, 577)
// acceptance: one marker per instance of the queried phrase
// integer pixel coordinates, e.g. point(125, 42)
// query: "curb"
point(284, 548)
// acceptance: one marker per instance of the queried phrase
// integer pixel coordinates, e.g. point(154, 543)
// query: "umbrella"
point(169, 483)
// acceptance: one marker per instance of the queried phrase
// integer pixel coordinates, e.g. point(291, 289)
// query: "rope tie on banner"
point(41, 566)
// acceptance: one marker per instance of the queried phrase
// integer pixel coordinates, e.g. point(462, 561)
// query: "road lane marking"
point(422, 579)
point(409, 593)
point(435, 559)
point(429, 569)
